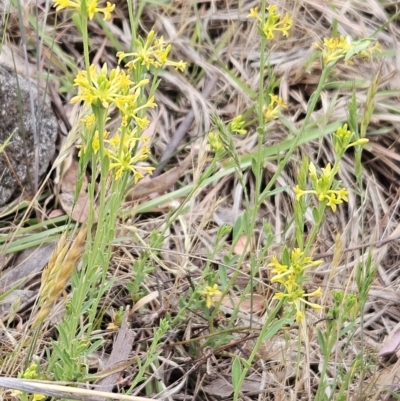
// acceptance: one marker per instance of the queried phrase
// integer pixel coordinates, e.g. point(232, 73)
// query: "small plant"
point(291, 275)
point(31, 372)
point(117, 161)
point(289, 270)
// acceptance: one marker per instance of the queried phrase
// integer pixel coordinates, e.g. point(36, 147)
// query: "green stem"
point(85, 38)
point(261, 338)
point(310, 109)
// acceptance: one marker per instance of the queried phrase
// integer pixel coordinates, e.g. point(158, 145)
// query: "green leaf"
point(223, 275)
point(315, 213)
point(321, 341)
point(237, 228)
point(94, 347)
point(255, 166)
point(358, 47)
point(275, 327)
point(236, 371)
point(285, 256)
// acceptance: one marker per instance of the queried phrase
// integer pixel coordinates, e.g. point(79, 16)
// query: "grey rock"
point(17, 161)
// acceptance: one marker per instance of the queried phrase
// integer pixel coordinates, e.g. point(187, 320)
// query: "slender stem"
point(261, 338)
point(310, 109)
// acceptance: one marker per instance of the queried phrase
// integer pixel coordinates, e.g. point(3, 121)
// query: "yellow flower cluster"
point(94, 142)
point(334, 48)
point(87, 8)
point(322, 187)
point(215, 141)
point(124, 154)
point(276, 104)
point(342, 140)
point(102, 90)
point(31, 374)
point(341, 48)
point(152, 52)
point(274, 23)
point(291, 275)
point(221, 138)
point(210, 294)
point(236, 126)
point(115, 88)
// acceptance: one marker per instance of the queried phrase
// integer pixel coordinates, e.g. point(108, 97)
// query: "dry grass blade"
point(121, 350)
point(59, 391)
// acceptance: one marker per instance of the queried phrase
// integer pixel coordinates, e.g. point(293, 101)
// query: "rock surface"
point(17, 161)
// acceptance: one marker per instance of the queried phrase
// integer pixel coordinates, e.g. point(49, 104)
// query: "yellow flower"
point(338, 43)
point(29, 373)
point(343, 133)
point(342, 140)
point(123, 160)
point(96, 140)
point(105, 88)
point(115, 141)
point(215, 141)
point(278, 267)
point(298, 297)
point(274, 23)
point(210, 293)
point(334, 49)
point(88, 120)
point(299, 315)
point(300, 262)
point(336, 198)
point(368, 53)
point(180, 65)
point(342, 194)
point(292, 276)
point(254, 13)
point(38, 397)
point(297, 255)
point(359, 142)
point(142, 122)
point(276, 104)
point(237, 125)
point(313, 172)
point(152, 52)
point(341, 48)
point(322, 187)
point(90, 10)
point(299, 192)
point(280, 271)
